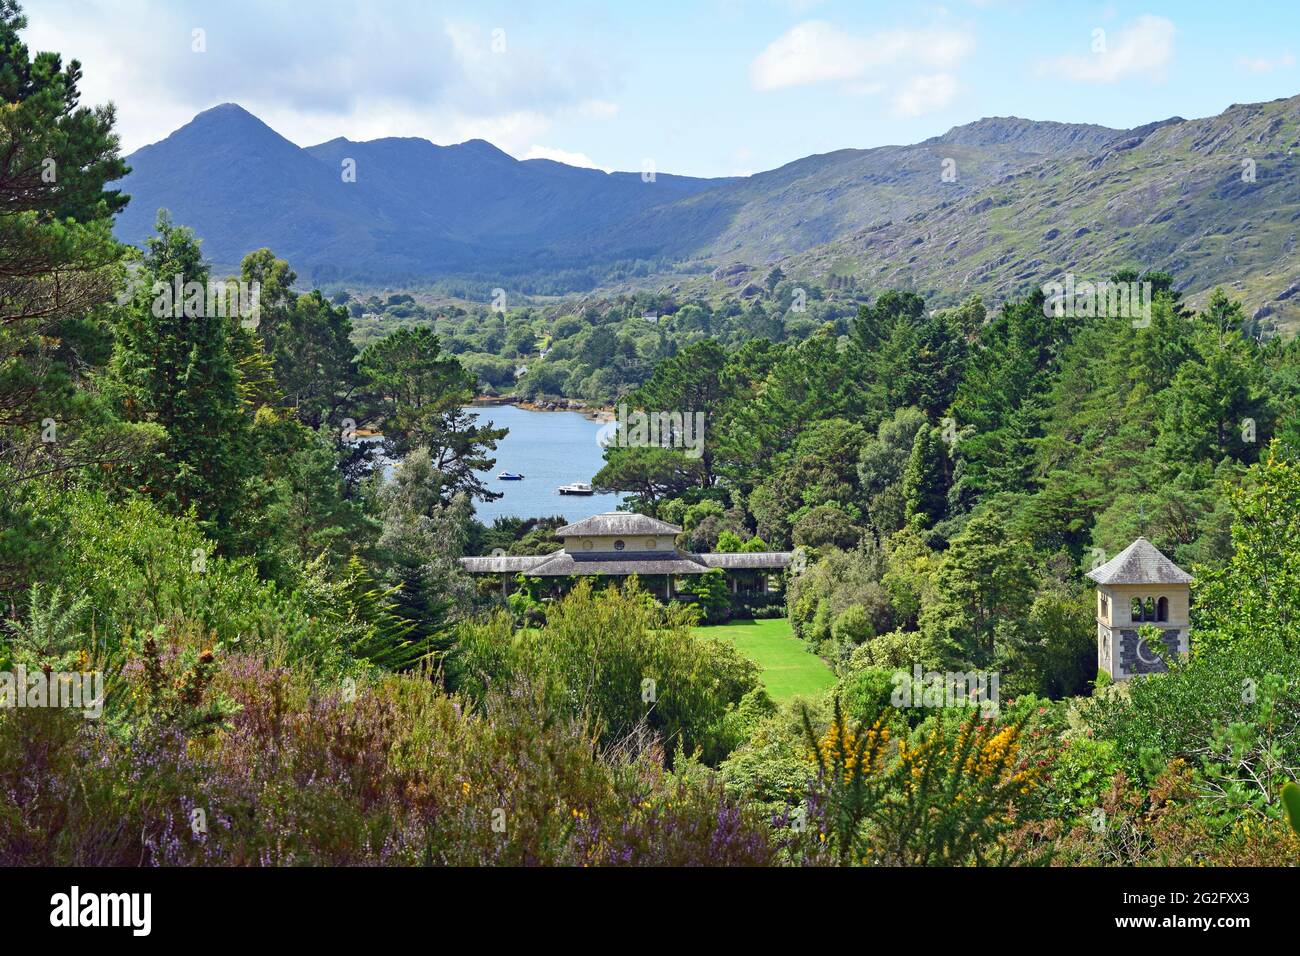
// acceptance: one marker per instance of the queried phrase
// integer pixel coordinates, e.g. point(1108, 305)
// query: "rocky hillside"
point(814, 200)
point(1214, 201)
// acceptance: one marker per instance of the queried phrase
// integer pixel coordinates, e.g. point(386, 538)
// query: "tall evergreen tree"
point(689, 382)
point(1215, 406)
point(59, 265)
point(925, 492)
point(58, 260)
point(172, 366)
point(984, 590)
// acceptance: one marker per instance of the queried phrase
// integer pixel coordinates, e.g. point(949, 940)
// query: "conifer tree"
point(924, 485)
point(172, 365)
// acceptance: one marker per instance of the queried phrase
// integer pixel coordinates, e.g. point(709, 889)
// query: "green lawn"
point(788, 667)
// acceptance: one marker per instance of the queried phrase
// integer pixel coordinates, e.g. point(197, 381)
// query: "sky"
point(710, 88)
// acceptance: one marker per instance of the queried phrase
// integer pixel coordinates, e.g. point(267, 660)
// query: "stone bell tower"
point(1140, 586)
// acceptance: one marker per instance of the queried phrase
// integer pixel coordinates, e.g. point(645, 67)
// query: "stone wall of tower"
point(1120, 651)
point(1105, 649)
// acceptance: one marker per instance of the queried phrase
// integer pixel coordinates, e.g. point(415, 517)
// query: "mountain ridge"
point(879, 217)
point(1174, 195)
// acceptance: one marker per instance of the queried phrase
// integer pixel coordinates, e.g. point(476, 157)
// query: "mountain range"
point(995, 206)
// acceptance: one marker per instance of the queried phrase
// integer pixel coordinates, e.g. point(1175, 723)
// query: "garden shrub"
point(389, 770)
point(953, 791)
point(621, 660)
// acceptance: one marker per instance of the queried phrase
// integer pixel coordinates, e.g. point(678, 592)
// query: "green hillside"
point(1176, 197)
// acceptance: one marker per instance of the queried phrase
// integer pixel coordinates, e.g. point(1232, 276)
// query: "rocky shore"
point(593, 412)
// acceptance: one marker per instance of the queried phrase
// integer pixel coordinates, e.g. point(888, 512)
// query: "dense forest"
point(597, 349)
point(293, 657)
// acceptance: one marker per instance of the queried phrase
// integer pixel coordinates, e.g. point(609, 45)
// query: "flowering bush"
point(949, 793)
point(1165, 824)
point(235, 761)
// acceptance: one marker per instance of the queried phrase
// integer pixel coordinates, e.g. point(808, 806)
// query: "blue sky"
point(718, 87)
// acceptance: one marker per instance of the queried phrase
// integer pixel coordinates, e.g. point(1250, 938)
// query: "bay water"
point(549, 449)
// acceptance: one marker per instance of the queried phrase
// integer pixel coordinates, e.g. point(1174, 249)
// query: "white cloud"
point(345, 70)
point(597, 110)
point(562, 156)
point(1143, 47)
point(1264, 64)
point(816, 51)
point(512, 132)
point(925, 94)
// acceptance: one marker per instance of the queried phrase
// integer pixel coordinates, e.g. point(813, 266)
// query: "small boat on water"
point(509, 476)
point(576, 488)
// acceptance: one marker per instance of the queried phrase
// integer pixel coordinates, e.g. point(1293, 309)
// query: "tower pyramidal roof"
point(1140, 563)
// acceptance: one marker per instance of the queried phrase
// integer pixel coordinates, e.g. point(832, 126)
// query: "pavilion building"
point(620, 544)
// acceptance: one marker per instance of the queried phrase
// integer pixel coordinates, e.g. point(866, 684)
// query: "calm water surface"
point(549, 449)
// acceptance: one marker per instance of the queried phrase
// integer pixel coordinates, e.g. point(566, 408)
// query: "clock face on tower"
point(1137, 656)
point(1146, 656)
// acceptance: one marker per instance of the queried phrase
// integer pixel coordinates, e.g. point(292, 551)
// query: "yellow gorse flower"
point(841, 745)
point(990, 758)
point(981, 755)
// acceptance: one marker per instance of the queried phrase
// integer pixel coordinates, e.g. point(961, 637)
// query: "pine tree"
point(172, 366)
point(924, 479)
point(59, 261)
point(419, 395)
point(1215, 406)
point(984, 587)
point(59, 264)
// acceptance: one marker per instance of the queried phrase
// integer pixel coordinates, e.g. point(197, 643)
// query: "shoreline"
point(592, 413)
